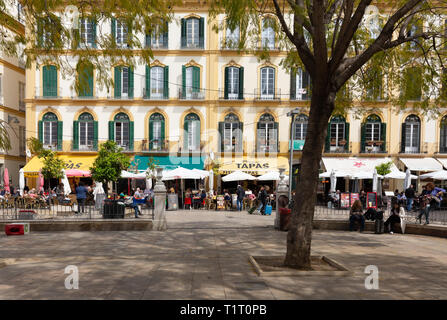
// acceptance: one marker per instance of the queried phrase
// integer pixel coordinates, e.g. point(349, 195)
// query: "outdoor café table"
point(196, 201)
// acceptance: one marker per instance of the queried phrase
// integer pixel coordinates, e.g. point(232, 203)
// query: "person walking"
point(356, 214)
point(240, 197)
point(394, 217)
point(409, 194)
point(262, 197)
point(81, 195)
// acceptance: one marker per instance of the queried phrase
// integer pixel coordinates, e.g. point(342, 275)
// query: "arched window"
point(156, 132)
point(299, 85)
point(193, 32)
point(50, 131)
point(268, 83)
point(267, 134)
point(231, 134)
point(121, 130)
point(84, 83)
point(411, 134)
point(268, 33)
point(157, 82)
point(300, 131)
point(234, 83)
point(49, 79)
point(191, 83)
point(85, 133)
point(337, 139)
point(373, 134)
point(192, 132)
point(443, 136)
point(124, 82)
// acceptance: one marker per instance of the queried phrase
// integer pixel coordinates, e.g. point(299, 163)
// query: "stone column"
point(160, 223)
point(281, 190)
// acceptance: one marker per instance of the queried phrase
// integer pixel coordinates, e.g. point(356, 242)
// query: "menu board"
point(344, 200)
point(354, 198)
point(371, 200)
point(220, 202)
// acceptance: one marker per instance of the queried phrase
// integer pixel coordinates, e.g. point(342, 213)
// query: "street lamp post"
point(291, 114)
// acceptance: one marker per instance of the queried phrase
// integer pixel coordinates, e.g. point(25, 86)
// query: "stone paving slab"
point(204, 255)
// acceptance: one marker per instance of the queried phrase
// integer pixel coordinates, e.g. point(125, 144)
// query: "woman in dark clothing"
point(394, 217)
point(356, 214)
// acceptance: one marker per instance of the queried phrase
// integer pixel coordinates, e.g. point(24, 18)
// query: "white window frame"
point(232, 37)
point(299, 85)
point(413, 147)
point(157, 82)
point(122, 33)
point(53, 127)
point(268, 128)
point(193, 126)
point(157, 38)
point(124, 82)
point(122, 141)
point(268, 83)
point(84, 140)
point(189, 82)
point(86, 31)
point(340, 129)
point(233, 83)
point(268, 37)
point(192, 33)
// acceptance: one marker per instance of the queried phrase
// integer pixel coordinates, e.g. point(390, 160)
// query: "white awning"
point(422, 164)
point(355, 167)
point(443, 161)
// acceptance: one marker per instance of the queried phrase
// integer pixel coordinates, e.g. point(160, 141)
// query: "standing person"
point(434, 198)
point(81, 195)
point(262, 197)
point(409, 194)
point(394, 217)
point(240, 197)
point(356, 214)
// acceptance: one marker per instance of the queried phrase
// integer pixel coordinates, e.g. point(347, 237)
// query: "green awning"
point(170, 162)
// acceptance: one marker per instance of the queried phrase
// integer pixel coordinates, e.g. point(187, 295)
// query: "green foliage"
point(384, 168)
point(152, 165)
point(5, 141)
point(35, 146)
point(109, 163)
point(52, 166)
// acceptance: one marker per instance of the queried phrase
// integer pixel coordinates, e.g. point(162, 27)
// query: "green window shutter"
point(240, 143)
point(75, 135)
point(117, 82)
point(129, 36)
point(328, 138)
point(40, 133)
point(221, 133)
point(241, 83)
point(148, 82)
point(95, 135)
point(185, 135)
point(163, 135)
point(195, 79)
point(113, 30)
point(306, 84)
point(402, 143)
point(40, 33)
point(94, 33)
point(151, 134)
point(183, 33)
point(276, 127)
point(383, 136)
point(131, 135)
point(59, 135)
point(166, 83)
point(166, 35)
point(53, 80)
point(183, 82)
point(347, 136)
point(226, 85)
point(131, 82)
point(148, 40)
point(112, 130)
point(258, 148)
point(362, 137)
point(197, 136)
point(293, 85)
point(49, 81)
point(202, 33)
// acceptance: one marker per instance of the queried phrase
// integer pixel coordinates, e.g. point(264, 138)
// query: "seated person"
point(356, 214)
point(394, 217)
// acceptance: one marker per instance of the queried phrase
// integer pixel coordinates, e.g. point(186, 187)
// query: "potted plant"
point(342, 142)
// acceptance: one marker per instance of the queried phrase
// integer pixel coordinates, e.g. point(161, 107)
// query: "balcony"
point(193, 45)
point(301, 95)
point(84, 148)
point(47, 93)
point(52, 146)
point(155, 146)
point(374, 147)
point(191, 94)
point(230, 96)
point(158, 46)
point(414, 149)
point(342, 146)
point(161, 95)
point(268, 96)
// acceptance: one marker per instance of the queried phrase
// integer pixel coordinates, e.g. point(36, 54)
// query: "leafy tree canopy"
point(109, 163)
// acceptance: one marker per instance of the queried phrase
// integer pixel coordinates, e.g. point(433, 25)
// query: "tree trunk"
point(299, 236)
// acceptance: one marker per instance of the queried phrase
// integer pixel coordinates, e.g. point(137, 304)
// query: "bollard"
point(282, 197)
point(160, 223)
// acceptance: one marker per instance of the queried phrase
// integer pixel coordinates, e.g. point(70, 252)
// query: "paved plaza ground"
point(204, 255)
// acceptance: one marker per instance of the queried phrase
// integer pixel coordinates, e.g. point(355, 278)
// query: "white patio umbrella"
point(437, 175)
point(269, 176)
point(67, 188)
point(375, 180)
point(202, 173)
point(181, 173)
point(407, 181)
point(398, 175)
point(21, 181)
point(238, 176)
point(333, 179)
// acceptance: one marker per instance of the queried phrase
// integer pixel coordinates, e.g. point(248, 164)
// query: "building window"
point(411, 133)
point(191, 83)
point(443, 136)
point(49, 78)
point(50, 131)
point(87, 32)
point(268, 34)
point(192, 132)
point(374, 85)
point(337, 139)
point(85, 79)
point(159, 36)
point(122, 131)
point(157, 82)
point(156, 132)
point(300, 131)
point(267, 83)
point(192, 33)
point(231, 134)
point(234, 78)
point(20, 13)
point(300, 85)
point(124, 82)
point(21, 96)
point(373, 134)
point(412, 84)
point(85, 133)
point(267, 134)
point(22, 140)
point(232, 38)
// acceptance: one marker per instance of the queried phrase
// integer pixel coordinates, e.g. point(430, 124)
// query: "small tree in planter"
point(110, 162)
point(383, 169)
point(151, 166)
point(52, 166)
